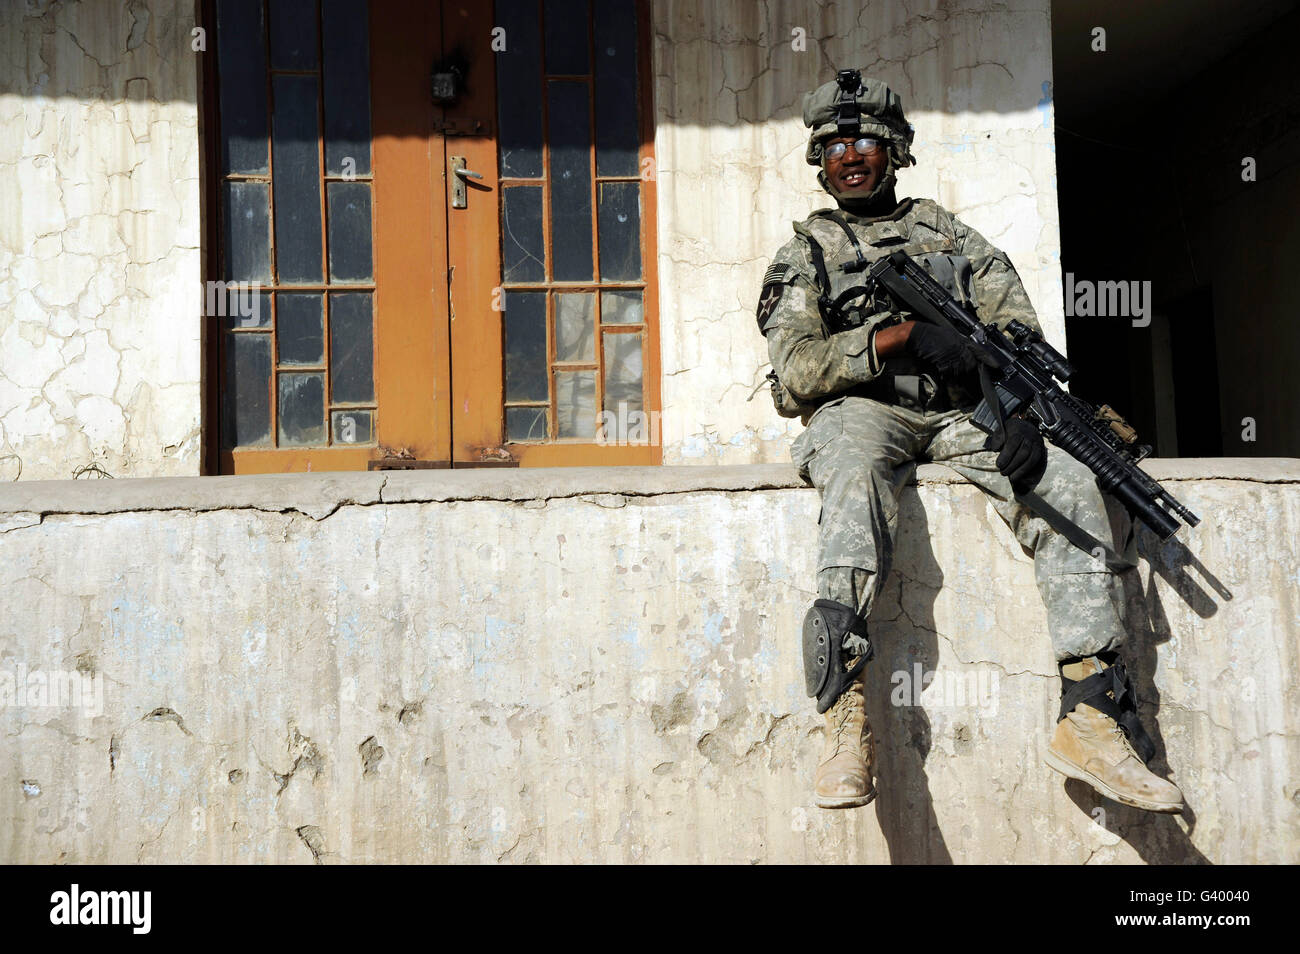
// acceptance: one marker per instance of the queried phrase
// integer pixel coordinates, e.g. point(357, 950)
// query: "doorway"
point(431, 235)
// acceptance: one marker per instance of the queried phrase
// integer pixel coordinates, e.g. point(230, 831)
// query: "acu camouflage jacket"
point(816, 357)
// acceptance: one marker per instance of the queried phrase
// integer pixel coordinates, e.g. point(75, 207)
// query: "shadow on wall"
point(737, 63)
point(141, 50)
point(906, 638)
point(716, 64)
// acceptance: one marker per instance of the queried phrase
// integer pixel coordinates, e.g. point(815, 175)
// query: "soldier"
point(878, 391)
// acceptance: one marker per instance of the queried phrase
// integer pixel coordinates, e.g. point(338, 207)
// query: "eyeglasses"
point(863, 147)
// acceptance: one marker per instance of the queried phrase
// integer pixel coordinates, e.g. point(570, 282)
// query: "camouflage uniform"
point(868, 421)
point(867, 424)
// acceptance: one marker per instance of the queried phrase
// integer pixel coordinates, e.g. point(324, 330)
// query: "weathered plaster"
point(99, 239)
point(399, 667)
point(975, 79)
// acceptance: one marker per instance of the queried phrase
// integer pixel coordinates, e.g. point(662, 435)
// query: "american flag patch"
point(775, 274)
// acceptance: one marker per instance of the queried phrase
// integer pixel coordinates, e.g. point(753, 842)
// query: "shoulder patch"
point(767, 304)
point(776, 273)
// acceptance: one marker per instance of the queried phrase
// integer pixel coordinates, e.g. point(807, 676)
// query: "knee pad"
point(824, 629)
point(1111, 693)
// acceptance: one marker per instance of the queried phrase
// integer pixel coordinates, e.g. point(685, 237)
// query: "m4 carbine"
point(1020, 378)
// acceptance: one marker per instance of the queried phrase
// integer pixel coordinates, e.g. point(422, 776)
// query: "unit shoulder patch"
point(767, 302)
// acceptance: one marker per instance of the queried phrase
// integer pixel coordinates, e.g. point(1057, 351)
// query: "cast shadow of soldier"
point(903, 630)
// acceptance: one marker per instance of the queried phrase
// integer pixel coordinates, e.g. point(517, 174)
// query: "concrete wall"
point(602, 665)
point(729, 82)
point(99, 239)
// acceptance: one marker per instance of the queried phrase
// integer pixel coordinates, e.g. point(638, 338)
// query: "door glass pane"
point(623, 372)
point(300, 329)
point(566, 37)
point(302, 409)
point(584, 58)
point(352, 348)
point(346, 41)
point(617, 135)
point(526, 424)
point(246, 219)
point(241, 65)
point(569, 136)
point(351, 259)
point(353, 426)
point(575, 404)
point(522, 244)
point(620, 308)
point(295, 156)
point(620, 231)
point(246, 399)
point(525, 325)
point(519, 90)
point(575, 326)
point(244, 306)
point(293, 34)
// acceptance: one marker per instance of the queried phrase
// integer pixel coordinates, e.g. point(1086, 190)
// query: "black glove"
point(1024, 456)
point(950, 353)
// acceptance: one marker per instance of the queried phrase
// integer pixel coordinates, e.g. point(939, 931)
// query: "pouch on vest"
point(776, 283)
point(953, 272)
point(786, 404)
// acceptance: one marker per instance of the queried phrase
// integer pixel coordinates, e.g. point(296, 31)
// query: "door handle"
point(459, 190)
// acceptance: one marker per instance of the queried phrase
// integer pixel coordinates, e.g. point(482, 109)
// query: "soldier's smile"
point(854, 174)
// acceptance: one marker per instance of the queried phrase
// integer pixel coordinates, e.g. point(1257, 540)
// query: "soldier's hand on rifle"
point(950, 353)
point(1023, 456)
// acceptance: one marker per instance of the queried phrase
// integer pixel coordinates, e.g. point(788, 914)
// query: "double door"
point(445, 215)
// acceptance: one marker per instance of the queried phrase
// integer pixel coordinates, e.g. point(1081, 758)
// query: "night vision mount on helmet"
point(852, 106)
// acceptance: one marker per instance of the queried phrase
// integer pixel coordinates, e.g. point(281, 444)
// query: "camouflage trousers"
point(860, 453)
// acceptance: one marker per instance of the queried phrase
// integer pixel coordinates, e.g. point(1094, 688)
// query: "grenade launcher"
point(1021, 379)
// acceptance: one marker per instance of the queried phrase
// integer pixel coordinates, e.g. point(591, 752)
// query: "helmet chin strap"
point(878, 200)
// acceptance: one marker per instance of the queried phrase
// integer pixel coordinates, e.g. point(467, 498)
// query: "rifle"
point(1019, 378)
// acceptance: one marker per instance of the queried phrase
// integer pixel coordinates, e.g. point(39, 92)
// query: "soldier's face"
point(852, 174)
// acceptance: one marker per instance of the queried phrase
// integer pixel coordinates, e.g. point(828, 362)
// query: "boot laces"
point(1114, 731)
point(1117, 733)
point(1119, 736)
point(841, 713)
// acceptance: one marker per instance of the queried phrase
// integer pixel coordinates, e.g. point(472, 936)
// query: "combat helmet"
point(852, 106)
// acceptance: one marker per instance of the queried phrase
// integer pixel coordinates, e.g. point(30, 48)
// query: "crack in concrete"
point(312, 837)
point(139, 854)
point(1166, 704)
point(166, 714)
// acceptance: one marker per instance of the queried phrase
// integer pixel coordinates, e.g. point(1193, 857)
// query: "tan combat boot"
point(1091, 746)
point(849, 757)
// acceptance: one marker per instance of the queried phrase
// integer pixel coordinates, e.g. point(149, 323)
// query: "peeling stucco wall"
point(99, 239)
point(602, 665)
point(975, 79)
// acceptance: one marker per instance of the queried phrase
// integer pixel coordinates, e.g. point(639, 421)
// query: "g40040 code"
point(1225, 895)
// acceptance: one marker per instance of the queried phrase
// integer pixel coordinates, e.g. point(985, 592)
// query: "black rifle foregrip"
point(1115, 477)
